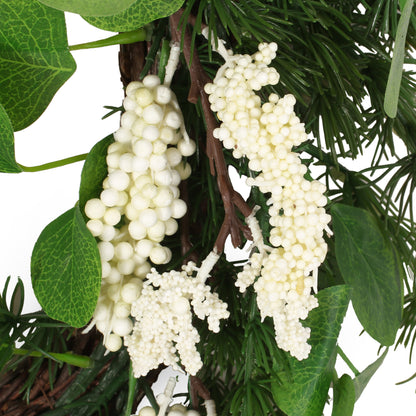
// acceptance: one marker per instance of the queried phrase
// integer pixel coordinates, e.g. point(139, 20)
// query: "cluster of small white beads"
point(174, 410)
point(265, 134)
point(163, 332)
point(139, 204)
point(180, 410)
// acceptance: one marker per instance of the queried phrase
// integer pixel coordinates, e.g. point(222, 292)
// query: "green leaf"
point(94, 172)
point(85, 377)
point(66, 269)
point(391, 97)
point(368, 264)
point(344, 396)
point(304, 392)
point(402, 4)
point(361, 381)
point(140, 13)
point(17, 300)
point(89, 7)
point(34, 58)
point(6, 351)
point(7, 160)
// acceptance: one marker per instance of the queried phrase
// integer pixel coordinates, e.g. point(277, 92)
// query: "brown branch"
point(41, 379)
point(131, 60)
point(15, 385)
point(187, 248)
point(43, 399)
point(63, 381)
point(231, 198)
point(198, 389)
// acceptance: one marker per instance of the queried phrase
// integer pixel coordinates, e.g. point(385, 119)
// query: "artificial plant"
point(273, 89)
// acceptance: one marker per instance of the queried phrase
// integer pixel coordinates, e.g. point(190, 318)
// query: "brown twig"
point(63, 382)
point(44, 398)
point(131, 61)
point(186, 244)
point(198, 389)
point(15, 384)
point(231, 198)
point(41, 380)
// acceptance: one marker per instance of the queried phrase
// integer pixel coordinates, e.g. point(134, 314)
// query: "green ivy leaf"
point(361, 381)
point(89, 7)
point(140, 13)
point(368, 264)
point(34, 58)
point(66, 269)
point(94, 172)
point(304, 391)
point(7, 160)
point(344, 396)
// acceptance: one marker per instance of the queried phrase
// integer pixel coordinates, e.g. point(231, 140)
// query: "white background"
point(72, 125)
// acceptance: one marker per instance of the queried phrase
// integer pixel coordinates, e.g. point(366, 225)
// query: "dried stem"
point(41, 380)
point(231, 198)
point(186, 244)
point(42, 396)
point(198, 389)
point(131, 60)
point(11, 386)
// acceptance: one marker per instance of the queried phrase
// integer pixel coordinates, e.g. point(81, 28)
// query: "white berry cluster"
point(174, 410)
point(140, 203)
point(265, 134)
point(163, 332)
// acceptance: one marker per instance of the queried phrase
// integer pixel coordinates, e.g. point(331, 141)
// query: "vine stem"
point(55, 164)
point(120, 39)
point(198, 389)
point(132, 388)
point(68, 357)
point(347, 361)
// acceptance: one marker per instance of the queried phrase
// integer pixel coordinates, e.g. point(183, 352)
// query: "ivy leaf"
point(66, 269)
point(90, 7)
point(344, 396)
point(361, 381)
point(94, 172)
point(304, 391)
point(7, 160)
point(369, 264)
point(394, 80)
point(34, 58)
point(137, 15)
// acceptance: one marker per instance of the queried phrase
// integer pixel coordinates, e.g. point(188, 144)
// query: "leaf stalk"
point(66, 357)
point(55, 164)
point(120, 39)
point(132, 388)
point(347, 361)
